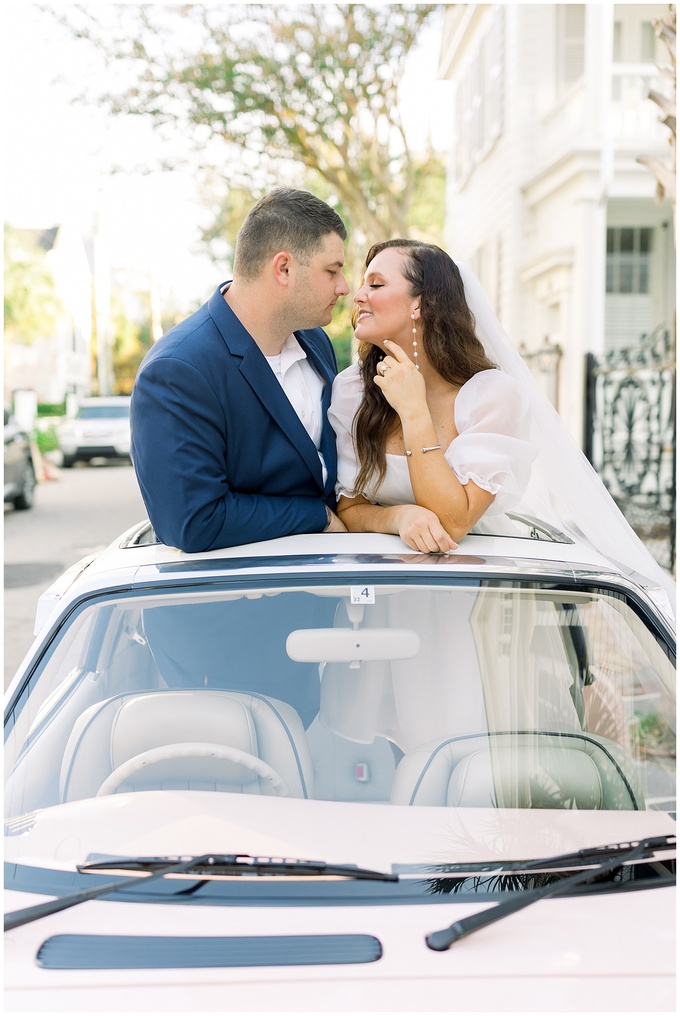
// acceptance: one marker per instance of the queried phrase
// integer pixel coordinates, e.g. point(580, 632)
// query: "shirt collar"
point(291, 352)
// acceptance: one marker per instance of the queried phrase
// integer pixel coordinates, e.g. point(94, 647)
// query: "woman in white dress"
point(431, 434)
point(503, 445)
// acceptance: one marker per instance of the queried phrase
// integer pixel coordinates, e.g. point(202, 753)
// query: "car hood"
point(564, 954)
point(372, 836)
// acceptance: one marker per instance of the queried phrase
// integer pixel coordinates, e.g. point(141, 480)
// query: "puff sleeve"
point(493, 446)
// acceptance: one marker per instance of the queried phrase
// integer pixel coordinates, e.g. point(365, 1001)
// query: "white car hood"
point(374, 836)
point(597, 952)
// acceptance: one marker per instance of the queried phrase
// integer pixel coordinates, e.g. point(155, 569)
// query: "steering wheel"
point(194, 749)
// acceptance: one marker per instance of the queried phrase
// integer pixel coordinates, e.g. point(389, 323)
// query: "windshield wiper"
point(586, 856)
point(244, 864)
point(152, 868)
point(606, 860)
point(18, 917)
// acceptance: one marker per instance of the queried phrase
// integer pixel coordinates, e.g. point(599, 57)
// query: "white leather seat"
point(243, 728)
point(533, 769)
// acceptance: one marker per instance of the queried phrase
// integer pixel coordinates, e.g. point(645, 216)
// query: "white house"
point(545, 199)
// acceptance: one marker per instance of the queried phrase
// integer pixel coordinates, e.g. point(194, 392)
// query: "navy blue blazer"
point(220, 454)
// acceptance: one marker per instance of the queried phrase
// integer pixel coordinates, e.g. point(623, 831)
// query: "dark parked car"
point(19, 471)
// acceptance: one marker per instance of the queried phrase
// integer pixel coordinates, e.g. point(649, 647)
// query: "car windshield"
point(108, 412)
point(467, 693)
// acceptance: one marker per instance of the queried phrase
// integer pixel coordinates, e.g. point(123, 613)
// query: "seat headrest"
point(535, 777)
point(148, 721)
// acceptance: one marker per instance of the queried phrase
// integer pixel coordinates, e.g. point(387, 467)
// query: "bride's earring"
point(415, 342)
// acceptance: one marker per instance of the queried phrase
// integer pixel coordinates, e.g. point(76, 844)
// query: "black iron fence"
point(630, 432)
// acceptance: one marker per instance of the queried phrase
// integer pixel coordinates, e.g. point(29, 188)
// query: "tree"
point(312, 85)
point(131, 342)
point(32, 305)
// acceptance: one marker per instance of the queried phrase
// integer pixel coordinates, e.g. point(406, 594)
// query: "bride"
point(431, 436)
point(441, 425)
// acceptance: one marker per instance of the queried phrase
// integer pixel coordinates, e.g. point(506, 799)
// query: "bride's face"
point(384, 304)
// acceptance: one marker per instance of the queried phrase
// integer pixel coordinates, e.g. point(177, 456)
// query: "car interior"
point(529, 700)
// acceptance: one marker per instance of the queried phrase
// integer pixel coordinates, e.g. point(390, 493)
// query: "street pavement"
point(80, 511)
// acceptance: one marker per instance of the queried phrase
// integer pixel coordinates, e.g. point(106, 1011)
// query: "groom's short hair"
point(285, 219)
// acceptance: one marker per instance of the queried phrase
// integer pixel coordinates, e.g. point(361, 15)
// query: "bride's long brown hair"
point(448, 338)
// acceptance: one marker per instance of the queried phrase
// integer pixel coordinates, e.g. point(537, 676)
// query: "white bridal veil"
point(564, 489)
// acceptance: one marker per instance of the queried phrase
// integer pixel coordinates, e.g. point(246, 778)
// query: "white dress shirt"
point(303, 387)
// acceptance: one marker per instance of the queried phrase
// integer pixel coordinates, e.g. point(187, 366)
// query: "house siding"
point(530, 213)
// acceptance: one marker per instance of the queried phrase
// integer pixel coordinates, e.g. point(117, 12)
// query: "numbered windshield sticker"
point(362, 594)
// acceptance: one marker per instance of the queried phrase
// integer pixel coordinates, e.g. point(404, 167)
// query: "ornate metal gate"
point(630, 432)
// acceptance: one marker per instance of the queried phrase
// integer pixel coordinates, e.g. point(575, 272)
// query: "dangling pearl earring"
point(415, 342)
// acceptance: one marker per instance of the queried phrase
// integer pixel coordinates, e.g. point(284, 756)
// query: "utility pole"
point(103, 329)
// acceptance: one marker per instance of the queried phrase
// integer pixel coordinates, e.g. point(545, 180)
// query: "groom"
point(230, 440)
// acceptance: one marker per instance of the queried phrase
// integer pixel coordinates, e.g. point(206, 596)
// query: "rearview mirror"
point(348, 645)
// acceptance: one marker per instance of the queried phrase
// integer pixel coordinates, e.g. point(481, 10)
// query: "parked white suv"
point(100, 429)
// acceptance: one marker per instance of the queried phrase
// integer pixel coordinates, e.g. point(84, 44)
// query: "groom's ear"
point(281, 265)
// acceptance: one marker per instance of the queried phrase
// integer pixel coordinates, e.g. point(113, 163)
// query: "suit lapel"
point(265, 385)
point(327, 371)
point(260, 377)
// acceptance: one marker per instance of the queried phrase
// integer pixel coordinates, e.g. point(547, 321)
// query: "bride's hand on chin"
point(400, 381)
point(421, 530)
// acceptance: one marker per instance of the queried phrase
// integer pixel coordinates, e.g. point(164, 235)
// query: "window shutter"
point(571, 24)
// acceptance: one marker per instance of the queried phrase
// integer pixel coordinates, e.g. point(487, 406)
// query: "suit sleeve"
point(179, 455)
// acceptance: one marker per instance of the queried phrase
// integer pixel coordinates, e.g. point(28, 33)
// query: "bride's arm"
point(458, 506)
point(417, 526)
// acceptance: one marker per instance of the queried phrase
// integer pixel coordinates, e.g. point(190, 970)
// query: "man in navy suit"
point(230, 439)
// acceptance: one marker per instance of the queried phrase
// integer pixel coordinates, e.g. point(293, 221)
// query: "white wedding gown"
point(492, 449)
point(513, 443)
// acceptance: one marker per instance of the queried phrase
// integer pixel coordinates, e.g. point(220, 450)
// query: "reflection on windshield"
point(485, 694)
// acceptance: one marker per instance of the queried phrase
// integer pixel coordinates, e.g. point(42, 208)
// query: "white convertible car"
point(326, 773)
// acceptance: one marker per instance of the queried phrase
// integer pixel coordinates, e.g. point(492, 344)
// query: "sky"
point(57, 154)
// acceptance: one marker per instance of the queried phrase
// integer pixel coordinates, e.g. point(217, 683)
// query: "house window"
point(617, 47)
point(571, 30)
point(479, 99)
point(629, 250)
point(634, 42)
point(647, 42)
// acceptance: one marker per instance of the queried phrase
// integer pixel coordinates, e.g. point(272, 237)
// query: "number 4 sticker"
point(362, 594)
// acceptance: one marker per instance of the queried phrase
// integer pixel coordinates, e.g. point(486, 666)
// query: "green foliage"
point(301, 95)
point(426, 215)
point(341, 333)
point(51, 409)
point(311, 85)
point(32, 306)
point(46, 439)
point(132, 340)
point(654, 735)
point(229, 211)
